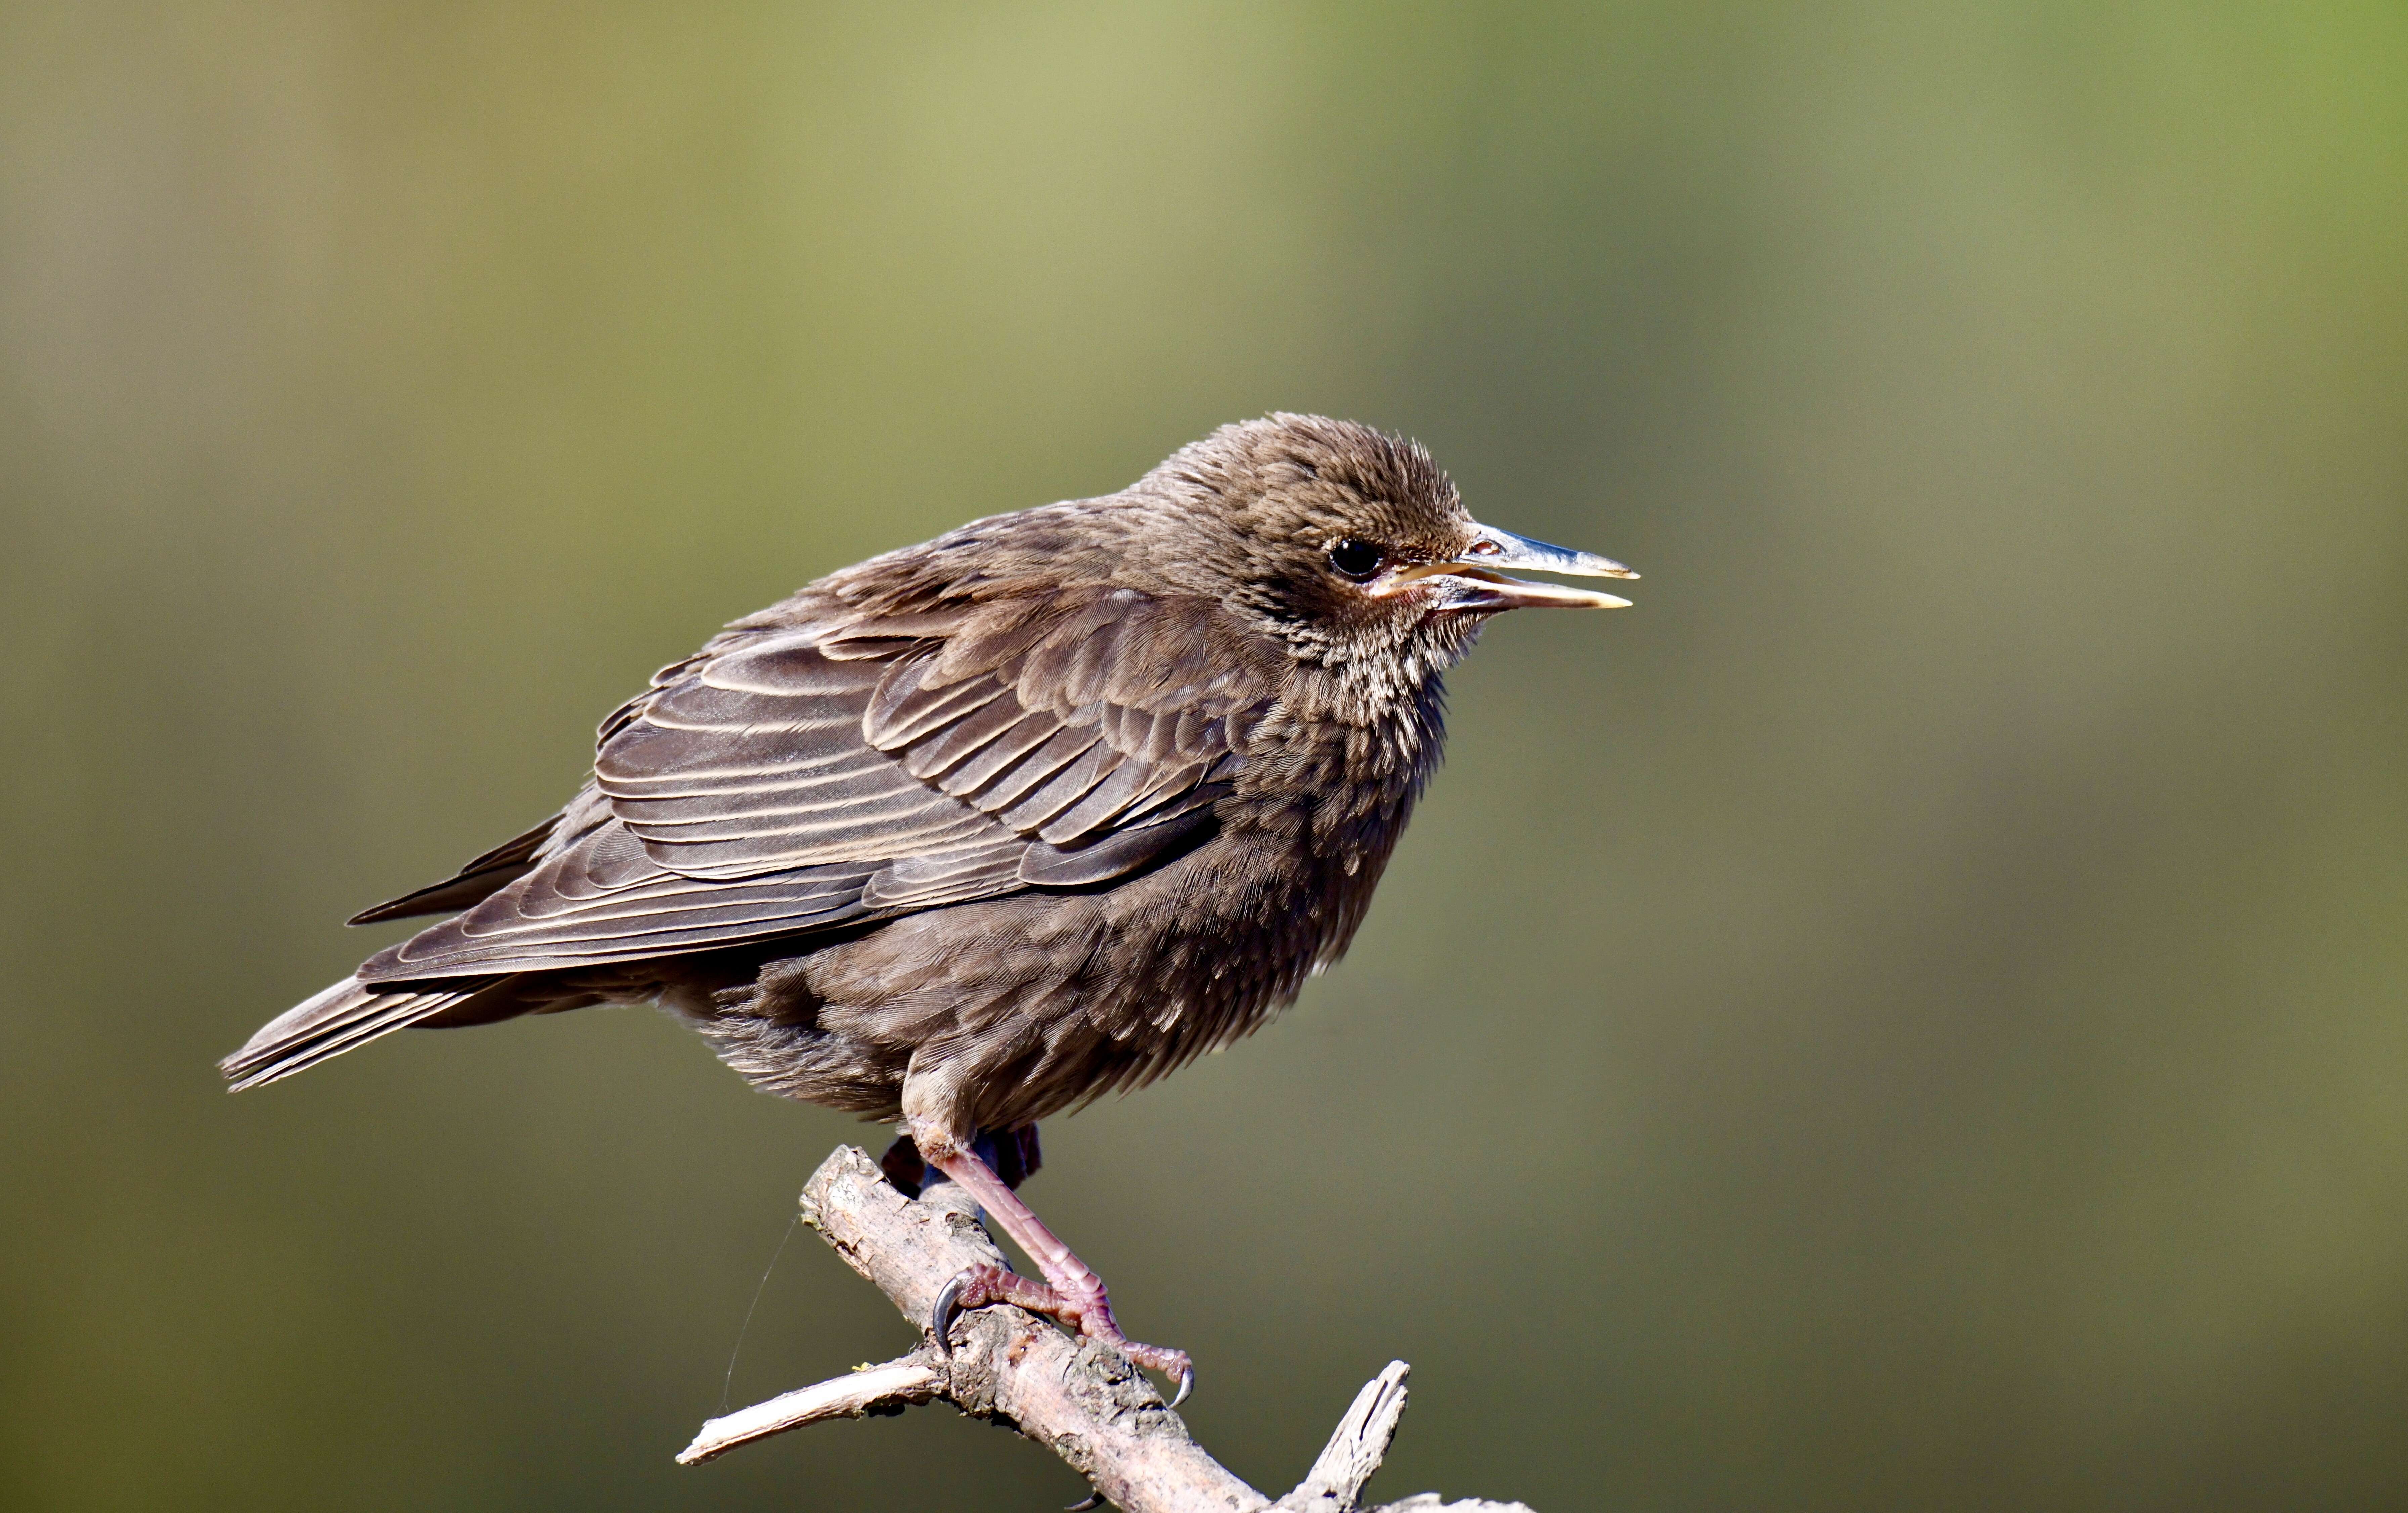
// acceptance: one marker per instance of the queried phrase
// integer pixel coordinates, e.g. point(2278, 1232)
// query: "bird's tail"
point(350, 1013)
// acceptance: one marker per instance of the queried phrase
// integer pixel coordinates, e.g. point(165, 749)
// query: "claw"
point(941, 1318)
point(1091, 1500)
point(1186, 1381)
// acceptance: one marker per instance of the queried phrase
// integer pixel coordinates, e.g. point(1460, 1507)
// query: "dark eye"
point(1358, 560)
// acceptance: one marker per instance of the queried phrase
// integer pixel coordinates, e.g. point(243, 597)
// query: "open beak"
point(1475, 583)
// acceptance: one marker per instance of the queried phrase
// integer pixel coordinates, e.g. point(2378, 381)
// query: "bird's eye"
point(1358, 560)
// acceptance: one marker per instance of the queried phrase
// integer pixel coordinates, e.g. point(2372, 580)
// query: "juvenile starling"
point(978, 831)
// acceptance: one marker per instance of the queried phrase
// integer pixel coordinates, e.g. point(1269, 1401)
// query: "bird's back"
point(1094, 758)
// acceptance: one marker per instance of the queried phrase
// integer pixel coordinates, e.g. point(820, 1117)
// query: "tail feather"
point(350, 1013)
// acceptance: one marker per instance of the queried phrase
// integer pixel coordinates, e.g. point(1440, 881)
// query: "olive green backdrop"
point(1910, 1017)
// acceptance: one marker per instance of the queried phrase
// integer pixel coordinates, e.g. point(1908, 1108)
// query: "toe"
point(1174, 1365)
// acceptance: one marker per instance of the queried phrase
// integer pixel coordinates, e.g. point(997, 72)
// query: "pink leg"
point(1072, 1292)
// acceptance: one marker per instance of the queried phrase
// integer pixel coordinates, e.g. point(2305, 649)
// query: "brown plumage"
point(977, 831)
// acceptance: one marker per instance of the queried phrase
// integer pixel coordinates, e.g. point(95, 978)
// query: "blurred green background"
point(1910, 1017)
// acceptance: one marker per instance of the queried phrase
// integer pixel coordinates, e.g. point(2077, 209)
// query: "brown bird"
point(978, 831)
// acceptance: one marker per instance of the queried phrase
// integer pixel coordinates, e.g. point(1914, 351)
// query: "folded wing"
point(859, 768)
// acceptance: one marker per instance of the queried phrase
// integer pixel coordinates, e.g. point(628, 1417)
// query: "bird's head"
point(1348, 544)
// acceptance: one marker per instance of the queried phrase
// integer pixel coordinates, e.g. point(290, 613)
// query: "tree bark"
point(1080, 1400)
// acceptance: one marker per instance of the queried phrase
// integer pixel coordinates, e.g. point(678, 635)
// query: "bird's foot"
point(976, 1287)
point(1085, 1309)
point(1171, 1364)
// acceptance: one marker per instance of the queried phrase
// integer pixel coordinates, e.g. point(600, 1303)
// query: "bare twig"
point(892, 1385)
point(1080, 1400)
point(1356, 1449)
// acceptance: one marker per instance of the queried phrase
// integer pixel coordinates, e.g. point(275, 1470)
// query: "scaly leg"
point(1071, 1291)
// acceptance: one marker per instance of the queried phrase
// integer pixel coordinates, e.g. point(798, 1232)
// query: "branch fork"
point(1079, 1398)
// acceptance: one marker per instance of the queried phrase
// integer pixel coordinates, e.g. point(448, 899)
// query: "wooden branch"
point(894, 1384)
point(1079, 1399)
point(1335, 1483)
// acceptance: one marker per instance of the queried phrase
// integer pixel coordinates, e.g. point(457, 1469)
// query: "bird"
point(971, 833)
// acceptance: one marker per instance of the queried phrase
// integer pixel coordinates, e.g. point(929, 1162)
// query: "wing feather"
point(811, 776)
point(477, 879)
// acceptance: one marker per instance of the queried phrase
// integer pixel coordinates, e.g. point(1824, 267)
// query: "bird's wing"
point(903, 736)
point(866, 766)
point(477, 879)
